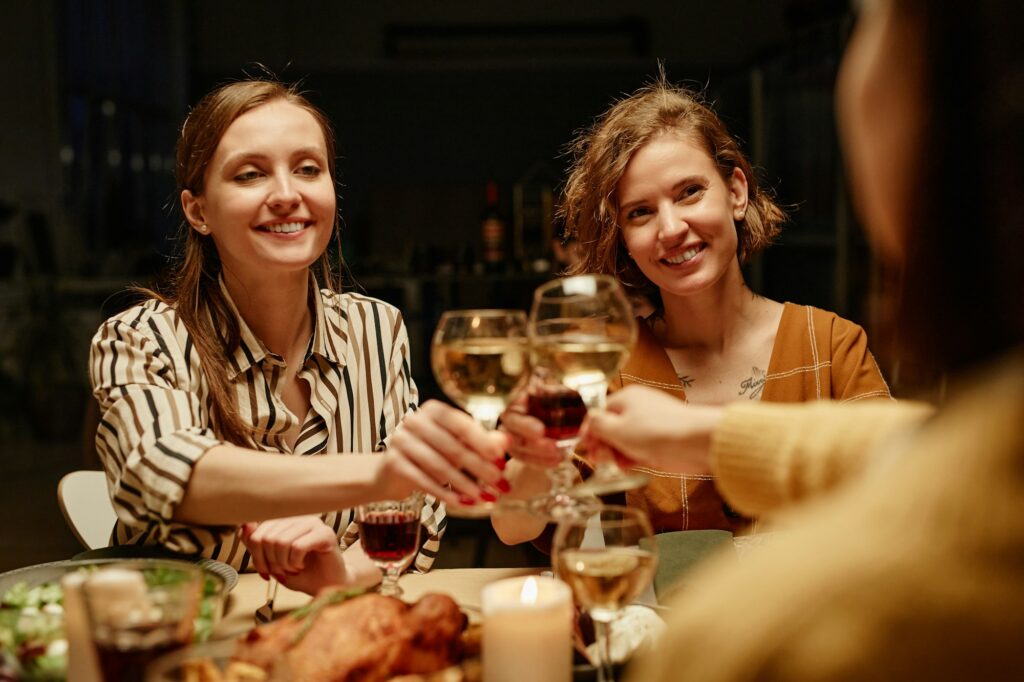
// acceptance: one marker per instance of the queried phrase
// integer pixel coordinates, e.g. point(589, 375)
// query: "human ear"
point(738, 193)
point(192, 207)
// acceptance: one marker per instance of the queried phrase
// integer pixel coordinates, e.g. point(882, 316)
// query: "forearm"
point(766, 456)
point(231, 485)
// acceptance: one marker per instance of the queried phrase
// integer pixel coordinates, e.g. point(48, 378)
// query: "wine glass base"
point(604, 485)
point(480, 510)
point(397, 592)
point(553, 507)
point(484, 510)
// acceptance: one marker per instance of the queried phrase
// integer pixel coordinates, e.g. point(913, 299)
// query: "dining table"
point(464, 585)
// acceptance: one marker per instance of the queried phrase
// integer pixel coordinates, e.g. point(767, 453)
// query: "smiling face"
point(678, 216)
point(268, 199)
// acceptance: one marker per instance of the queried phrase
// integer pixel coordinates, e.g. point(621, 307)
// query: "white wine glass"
point(597, 553)
point(390, 534)
point(581, 331)
point(481, 361)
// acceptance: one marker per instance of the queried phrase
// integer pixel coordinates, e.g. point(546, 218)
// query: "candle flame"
point(529, 593)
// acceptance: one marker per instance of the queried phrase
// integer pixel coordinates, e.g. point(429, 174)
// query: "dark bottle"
point(492, 232)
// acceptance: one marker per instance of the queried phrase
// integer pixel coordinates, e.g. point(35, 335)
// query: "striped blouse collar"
point(251, 351)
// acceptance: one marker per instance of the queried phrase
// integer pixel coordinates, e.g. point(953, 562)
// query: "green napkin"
point(679, 552)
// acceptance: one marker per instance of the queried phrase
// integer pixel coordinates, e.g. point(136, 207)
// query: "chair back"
point(85, 504)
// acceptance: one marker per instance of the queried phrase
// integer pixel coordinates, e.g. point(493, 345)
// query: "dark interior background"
point(430, 102)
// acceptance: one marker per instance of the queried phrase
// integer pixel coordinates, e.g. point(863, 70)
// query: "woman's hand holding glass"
point(582, 330)
point(481, 361)
point(443, 452)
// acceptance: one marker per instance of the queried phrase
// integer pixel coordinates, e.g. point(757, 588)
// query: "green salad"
point(32, 642)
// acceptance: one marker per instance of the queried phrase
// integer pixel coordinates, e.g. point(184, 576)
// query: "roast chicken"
point(368, 638)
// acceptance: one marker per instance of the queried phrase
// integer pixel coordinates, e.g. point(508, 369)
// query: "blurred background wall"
point(431, 102)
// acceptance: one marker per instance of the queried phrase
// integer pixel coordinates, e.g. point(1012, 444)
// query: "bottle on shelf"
point(492, 232)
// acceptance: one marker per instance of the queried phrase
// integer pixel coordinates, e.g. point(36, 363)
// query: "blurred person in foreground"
point(252, 404)
point(903, 554)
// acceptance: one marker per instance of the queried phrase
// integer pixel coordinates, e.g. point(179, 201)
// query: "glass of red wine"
point(581, 332)
point(390, 533)
point(138, 612)
point(561, 410)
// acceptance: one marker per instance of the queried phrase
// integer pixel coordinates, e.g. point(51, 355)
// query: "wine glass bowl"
point(582, 330)
point(390, 534)
point(481, 360)
point(561, 410)
point(597, 553)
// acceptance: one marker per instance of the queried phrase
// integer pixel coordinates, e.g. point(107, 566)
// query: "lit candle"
point(527, 630)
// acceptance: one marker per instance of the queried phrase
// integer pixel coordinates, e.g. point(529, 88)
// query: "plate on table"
point(54, 570)
point(31, 613)
point(218, 568)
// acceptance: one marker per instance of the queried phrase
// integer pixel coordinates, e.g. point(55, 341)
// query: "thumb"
point(604, 426)
point(502, 441)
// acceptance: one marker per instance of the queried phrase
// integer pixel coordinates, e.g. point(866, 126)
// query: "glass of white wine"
point(481, 360)
point(582, 330)
point(597, 553)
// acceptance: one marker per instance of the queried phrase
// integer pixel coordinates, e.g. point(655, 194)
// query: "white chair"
point(85, 504)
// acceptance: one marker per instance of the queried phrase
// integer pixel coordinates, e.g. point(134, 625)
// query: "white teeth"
point(689, 254)
point(285, 228)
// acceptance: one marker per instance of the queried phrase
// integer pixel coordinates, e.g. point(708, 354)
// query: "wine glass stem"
point(602, 633)
point(389, 581)
point(564, 475)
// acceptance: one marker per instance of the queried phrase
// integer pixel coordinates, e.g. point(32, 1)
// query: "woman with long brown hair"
point(214, 393)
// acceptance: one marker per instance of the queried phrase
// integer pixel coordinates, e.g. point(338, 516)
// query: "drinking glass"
point(581, 331)
point(390, 533)
point(481, 361)
point(561, 410)
point(136, 616)
point(596, 551)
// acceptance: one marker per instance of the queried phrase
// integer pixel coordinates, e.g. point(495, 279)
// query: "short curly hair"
point(601, 153)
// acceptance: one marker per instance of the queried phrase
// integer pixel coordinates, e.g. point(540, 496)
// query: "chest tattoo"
point(685, 380)
point(754, 384)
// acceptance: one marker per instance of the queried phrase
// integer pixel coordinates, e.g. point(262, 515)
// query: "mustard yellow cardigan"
point(902, 556)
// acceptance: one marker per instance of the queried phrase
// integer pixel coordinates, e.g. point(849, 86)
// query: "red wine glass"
point(390, 533)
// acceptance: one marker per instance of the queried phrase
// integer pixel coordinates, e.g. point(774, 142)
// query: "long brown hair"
point(601, 153)
point(194, 288)
point(958, 300)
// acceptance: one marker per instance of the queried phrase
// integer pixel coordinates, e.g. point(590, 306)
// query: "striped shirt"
point(155, 422)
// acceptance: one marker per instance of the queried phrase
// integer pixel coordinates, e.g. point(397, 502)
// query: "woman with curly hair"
point(661, 196)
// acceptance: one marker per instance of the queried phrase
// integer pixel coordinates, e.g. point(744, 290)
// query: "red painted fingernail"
point(504, 486)
point(500, 463)
point(264, 576)
point(466, 500)
point(279, 578)
point(293, 572)
point(487, 497)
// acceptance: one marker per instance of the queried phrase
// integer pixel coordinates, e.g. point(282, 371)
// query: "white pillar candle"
point(527, 630)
